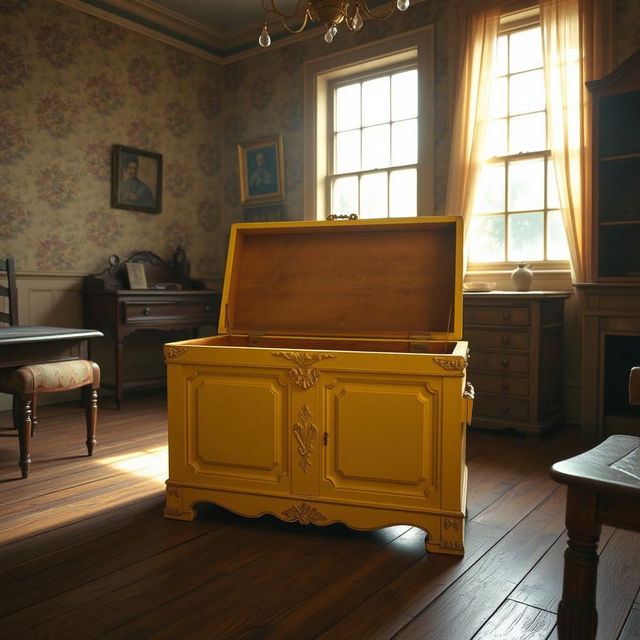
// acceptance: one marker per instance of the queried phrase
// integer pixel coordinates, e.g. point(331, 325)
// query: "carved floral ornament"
point(173, 352)
point(454, 364)
point(304, 514)
point(305, 432)
point(303, 375)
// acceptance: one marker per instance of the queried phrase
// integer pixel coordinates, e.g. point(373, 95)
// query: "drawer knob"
point(207, 309)
point(146, 311)
point(506, 315)
point(504, 362)
point(504, 409)
point(504, 386)
point(506, 339)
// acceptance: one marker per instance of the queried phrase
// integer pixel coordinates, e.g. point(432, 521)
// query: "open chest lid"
point(389, 278)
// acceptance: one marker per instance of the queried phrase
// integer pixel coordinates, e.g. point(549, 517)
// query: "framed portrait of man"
point(136, 179)
point(261, 171)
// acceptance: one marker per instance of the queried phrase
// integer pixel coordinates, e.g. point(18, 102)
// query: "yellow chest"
point(314, 420)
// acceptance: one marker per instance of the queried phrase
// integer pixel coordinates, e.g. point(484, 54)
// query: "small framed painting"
point(137, 275)
point(136, 179)
point(261, 171)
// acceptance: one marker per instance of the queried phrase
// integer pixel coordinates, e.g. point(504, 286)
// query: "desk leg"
point(119, 356)
point(577, 615)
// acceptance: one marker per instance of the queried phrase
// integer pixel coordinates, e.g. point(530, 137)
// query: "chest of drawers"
point(516, 367)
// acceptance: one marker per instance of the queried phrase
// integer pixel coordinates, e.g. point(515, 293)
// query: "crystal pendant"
point(402, 5)
point(264, 40)
point(356, 22)
point(328, 37)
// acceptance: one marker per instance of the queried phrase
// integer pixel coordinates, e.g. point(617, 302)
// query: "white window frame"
point(320, 74)
point(512, 22)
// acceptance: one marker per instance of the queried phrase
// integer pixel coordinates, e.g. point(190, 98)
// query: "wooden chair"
point(25, 383)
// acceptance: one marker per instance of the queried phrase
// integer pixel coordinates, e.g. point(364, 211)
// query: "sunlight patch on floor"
point(152, 463)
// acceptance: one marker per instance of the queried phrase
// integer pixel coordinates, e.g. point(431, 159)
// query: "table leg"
point(119, 356)
point(577, 615)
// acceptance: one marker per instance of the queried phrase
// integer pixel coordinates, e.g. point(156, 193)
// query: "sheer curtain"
point(564, 83)
point(477, 45)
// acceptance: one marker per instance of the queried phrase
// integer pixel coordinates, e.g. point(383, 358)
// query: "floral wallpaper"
point(71, 86)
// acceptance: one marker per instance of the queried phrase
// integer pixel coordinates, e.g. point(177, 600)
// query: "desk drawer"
point(505, 316)
point(488, 383)
point(500, 407)
point(187, 312)
point(502, 339)
point(493, 361)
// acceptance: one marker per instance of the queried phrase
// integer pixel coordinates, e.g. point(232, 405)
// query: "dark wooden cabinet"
point(616, 173)
point(516, 344)
point(611, 297)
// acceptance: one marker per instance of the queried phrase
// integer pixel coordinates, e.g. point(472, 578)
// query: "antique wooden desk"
point(172, 301)
point(29, 345)
point(603, 488)
point(123, 312)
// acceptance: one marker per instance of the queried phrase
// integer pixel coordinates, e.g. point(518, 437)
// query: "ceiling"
point(222, 15)
point(219, 30)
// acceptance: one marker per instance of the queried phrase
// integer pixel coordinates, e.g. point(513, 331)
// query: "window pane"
point(526, 185)
point(404, 95)
point(348, 107)
point(404, 142)
point(502, 53)
point(526, 92)
point(345, 195)
point(375, 101)
point(553, 198)
point(526, 236)
point(557, 247)
point(498, 98)
point(375, 147)
point(402, 193)
point(525, 50)
point(490, 189)
point(527, 133)
point(496, 143)
point(373, 195)
point(348, 151)
point(486, 235)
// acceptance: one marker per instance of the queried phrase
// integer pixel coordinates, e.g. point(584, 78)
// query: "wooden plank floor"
point(85, 552)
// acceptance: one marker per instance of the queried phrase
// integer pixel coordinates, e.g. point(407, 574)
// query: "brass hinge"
point(419, 343)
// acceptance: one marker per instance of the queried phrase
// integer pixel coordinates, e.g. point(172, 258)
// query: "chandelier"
point(330, 12)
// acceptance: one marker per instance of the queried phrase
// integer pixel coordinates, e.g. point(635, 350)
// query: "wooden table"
point(24, 345)
point(603, 488)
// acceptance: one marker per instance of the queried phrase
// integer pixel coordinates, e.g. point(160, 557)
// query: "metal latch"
point(256, 339)
point(419, 343)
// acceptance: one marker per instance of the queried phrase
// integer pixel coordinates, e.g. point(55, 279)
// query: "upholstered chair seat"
point(27, 382)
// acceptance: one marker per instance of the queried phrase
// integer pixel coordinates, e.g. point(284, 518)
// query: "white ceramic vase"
point(521, 277)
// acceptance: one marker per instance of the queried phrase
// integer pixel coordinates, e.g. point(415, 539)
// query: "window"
point(374, 145)
point(369, 129)
point(516, 214)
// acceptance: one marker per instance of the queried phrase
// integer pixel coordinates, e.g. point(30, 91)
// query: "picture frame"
point(261, 170)
point(136, 179)
point(137, 275)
